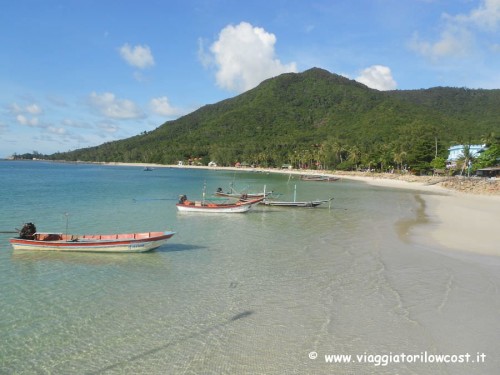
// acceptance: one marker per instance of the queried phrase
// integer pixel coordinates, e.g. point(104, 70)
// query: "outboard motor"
point(28, 231)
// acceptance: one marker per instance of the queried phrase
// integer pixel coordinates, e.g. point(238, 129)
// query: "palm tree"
point(399, 158)
point(466, 159)
point(354, 155)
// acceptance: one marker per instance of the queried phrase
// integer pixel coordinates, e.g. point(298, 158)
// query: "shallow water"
point(248, 293)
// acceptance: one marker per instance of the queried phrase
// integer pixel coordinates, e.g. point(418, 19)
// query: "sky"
point(79, 73)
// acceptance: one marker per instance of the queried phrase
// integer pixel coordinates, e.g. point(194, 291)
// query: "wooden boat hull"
point(238, 207)
point(228, 209)
point(238, 195)
point(115, 243)
point(294, 204)
point(318, 178)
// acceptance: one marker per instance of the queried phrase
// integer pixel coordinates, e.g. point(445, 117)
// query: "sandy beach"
point(458, 221)
point(465, 223)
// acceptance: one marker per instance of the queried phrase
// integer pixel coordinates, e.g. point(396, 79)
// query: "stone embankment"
point(472, 185)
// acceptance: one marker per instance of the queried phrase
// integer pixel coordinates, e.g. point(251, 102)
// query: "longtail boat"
point(295, 203)
point(30, 239)
point(318, 178)
point(234, 194)
point(241, 206)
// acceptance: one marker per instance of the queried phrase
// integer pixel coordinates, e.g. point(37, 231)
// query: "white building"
point(457, 152)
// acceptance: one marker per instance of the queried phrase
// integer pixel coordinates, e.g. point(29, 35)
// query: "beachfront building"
point(457, 152)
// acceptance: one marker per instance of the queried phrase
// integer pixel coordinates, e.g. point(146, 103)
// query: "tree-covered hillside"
point(318, 119)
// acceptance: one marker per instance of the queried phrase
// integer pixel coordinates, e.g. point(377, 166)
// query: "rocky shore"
point(471, 185)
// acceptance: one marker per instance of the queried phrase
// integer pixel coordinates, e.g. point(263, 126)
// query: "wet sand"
point(458, 221)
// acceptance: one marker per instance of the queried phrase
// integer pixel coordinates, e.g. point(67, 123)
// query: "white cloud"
point(56, 130)
point(108, 127)
point(457, 38)
point(453, 42)
point(26, 115)
point(32, 109)
point(377, 77)
point(138, 56)
point(110, 106)
point(161, 106)
point(244, 56)
point(23, 120)
point(486, 16)
point(205, 58)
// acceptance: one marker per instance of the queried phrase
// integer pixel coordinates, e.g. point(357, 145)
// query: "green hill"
point(315, 118)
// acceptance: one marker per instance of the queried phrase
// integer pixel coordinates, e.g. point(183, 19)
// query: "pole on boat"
point(204, 192)
point(295, 193)
point(67, 219)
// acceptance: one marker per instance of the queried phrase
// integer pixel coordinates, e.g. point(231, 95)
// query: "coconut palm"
point(354, 155)
point(399, 158)
point(466, 160)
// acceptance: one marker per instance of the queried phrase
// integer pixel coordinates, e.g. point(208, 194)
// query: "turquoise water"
point(248, 293)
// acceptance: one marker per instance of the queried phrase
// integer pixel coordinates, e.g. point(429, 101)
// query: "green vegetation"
point(318, 120)
point(29, 156)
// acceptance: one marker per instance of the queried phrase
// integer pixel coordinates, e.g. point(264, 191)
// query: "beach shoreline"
point(459, 219)
point(483, 187)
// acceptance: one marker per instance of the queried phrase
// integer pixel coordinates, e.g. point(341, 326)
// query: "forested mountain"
point(316, 118)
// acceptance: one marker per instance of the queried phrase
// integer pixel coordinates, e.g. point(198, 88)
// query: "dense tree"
point(319, 120)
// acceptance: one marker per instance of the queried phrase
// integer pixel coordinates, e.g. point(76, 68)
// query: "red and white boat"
point(29, 239)
point(240, 206)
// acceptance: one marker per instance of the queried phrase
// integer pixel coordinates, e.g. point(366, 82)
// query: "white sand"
point(458, 221)
point(465, 222)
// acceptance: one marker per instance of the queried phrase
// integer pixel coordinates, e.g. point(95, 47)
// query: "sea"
point(345, 288)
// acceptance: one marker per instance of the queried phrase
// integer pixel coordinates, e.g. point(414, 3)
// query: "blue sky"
point(78, 73)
